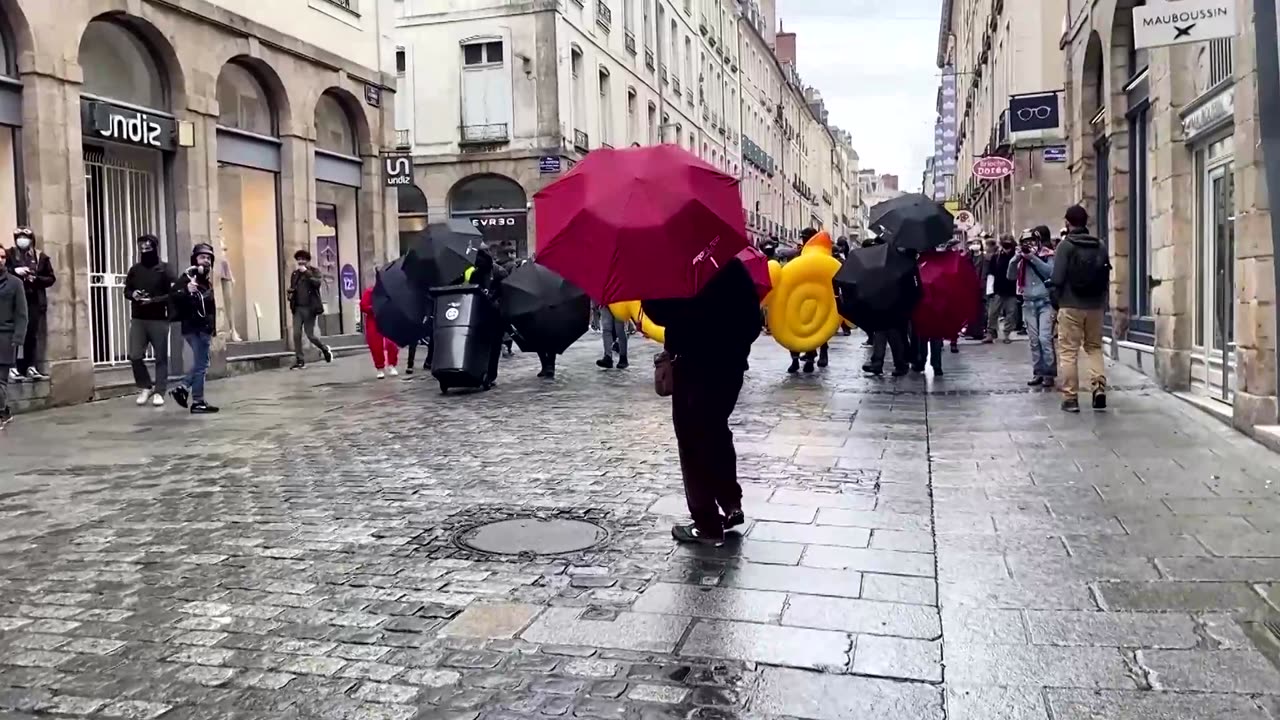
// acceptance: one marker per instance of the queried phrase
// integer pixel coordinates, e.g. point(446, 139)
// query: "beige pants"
point(1080, 329)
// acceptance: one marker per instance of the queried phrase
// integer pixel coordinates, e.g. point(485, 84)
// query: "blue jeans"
point(199, 343)
point(1038, 316)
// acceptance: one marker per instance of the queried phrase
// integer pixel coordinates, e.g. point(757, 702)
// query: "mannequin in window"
point(228, 280)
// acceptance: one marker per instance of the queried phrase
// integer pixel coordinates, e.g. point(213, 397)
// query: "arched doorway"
point(249, 204)
point(335, 230)
point(412, 209)
point(129, 137)
point(497, 205)
point(1093, 94)
point(12, 201)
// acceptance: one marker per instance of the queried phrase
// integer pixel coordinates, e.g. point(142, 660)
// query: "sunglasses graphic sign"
point(1036, 111)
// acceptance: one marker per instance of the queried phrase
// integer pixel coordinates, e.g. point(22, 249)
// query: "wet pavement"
point(952, 547)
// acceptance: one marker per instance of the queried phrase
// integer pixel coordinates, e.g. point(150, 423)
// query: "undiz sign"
point(127, 126)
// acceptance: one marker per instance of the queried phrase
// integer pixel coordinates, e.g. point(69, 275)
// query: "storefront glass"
point(1215, 270)
point(8, 179)
point(336, 253)
point(497, 206)
point(250, 255)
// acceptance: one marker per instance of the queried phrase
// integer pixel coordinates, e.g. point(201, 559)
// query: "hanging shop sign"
point(964, 220)
point(1035, 111)
point(992, 168)
point(127, 126)
point(1055, 154)
point(397, 170)
point(1175, 22)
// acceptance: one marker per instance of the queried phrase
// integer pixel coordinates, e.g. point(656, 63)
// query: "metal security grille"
point(122, 202)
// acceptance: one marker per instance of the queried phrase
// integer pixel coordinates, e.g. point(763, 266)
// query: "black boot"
point(794, 367)
point(822, 357)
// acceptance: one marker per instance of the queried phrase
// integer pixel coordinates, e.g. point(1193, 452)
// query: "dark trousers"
point(413, 354)
point(896, 341)
point(304, 321)
point(31, 343)
point(548, 361)
point(703, 399)
point(922, 350)
point(153, 333)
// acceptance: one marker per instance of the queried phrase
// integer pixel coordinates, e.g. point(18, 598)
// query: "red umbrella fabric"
point(951, 292)
point(640, 224)
point(757, 264)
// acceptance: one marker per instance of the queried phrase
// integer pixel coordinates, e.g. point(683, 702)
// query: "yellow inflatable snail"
point(630, 312)
point(802, 305)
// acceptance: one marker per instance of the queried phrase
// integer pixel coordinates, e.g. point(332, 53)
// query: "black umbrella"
point(878, 287)
point(913, 222)
point(547, 313)
point(400, 305)
point(440, 254)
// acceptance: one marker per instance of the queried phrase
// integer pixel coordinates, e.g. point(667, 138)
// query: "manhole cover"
point(530, 536)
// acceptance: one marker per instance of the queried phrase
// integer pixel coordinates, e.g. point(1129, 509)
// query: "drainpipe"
point(1268, 59)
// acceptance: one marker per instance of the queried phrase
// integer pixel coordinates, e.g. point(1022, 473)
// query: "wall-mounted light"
point(186, 134)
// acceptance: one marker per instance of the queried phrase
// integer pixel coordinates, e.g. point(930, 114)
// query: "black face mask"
point(151, 258)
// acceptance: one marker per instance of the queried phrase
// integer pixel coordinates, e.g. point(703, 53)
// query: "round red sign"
point(992, 168)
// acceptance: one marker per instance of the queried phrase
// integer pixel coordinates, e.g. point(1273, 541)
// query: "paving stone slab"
point(1119, 705)
point(770, 644)
point(873, 520)
point(1036, 666)
point(863, 616)
point(976, 702)
point(712, 602)
point(815, 581)
point(1179, 597)
point(1112, 629)
point(1234, 671)
point(984, 626)
point(810, 534)
point(817, 696)
point(492, 621)
point(895, 657)
point(889, 562)
point(898, 588)
point(628, 631)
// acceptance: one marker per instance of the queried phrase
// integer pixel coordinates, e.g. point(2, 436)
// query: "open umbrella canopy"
point(757, 265)
point(950, 295)
point(441, 253)
point(400, 305)
point(547, 312)
point(877, 288)
point(913, 222)
point(640, 224)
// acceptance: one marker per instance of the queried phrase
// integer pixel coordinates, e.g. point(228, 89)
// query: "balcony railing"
point(604, 16)
point(648, 57)
point(629, 40)
point(402, 139)
point(580, 141)
point(481, 134)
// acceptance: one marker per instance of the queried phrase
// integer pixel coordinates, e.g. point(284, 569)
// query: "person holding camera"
point(1031, 272)
point(148, 286)
point(306, 305)
point(198, 313)
point(34, 269)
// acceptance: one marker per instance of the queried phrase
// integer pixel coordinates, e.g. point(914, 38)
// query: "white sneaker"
point(393, 372)
point(143, 397)
point(35, 375)
point(14, 376)
point(157, 399)
point(381, 375)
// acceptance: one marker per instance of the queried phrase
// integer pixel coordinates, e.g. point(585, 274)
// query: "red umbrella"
point(950, 295)
point(757, 265)
point(640, 224)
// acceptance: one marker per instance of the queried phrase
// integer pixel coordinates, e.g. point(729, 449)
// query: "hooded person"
point(148, 287)
point(34, 269)
point(197, 312)
point(13, 328)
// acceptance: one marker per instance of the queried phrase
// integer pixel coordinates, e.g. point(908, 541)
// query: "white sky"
point(874, 62)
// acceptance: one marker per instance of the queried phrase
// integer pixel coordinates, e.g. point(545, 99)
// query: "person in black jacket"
point(147, 287)
point(306, 305)
point(35, 271)
point(709, 338)
point(198, 313)
point(13, 327)
point(1002, 304)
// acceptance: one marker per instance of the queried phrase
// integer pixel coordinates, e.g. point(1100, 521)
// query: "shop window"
point(497, 205)
point(242, 102)
point(117, 65)
point(336, 253)
point(333, 127)
point(412, 208)
point(249, 270)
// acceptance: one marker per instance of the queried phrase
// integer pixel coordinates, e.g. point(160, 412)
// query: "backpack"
point(1089, 272)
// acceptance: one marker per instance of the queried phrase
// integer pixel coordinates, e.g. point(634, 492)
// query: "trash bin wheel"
point(444, 388)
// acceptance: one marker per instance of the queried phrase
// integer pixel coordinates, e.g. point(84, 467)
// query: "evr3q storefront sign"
point(127, 126)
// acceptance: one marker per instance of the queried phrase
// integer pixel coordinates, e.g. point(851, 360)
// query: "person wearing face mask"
point(977, 327)
point(306, 305)
point(35, 271)
point(198, 314)
point(1002, 301)
point(13, 328)
point(148, 287)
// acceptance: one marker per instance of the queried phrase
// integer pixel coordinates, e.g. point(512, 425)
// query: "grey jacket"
point(1064, 294)
point(13, 317)
point(1039, 270)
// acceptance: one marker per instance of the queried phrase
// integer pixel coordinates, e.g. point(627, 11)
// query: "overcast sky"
point(874, 62)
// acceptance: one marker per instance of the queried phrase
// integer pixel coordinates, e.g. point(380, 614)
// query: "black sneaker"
point(872, 369)
point(327, 352)
point(1071, 406)
point(408, 371)
point(794, 367)
point(605, 363)
point(1035, 382)
point(623, 364)
point(734, 518)
point(901, 372)
point(180, 395)
point(298, 365)
point(201, 407)
point(937, 372)
point(6, 417)
point(691, 534)
point(1100, 400)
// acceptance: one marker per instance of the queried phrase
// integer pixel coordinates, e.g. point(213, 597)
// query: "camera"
point(197, 271)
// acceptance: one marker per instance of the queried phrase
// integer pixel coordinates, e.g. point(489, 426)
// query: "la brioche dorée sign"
point(992, 168)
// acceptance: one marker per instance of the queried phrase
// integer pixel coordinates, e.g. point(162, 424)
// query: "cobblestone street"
point(953, 547)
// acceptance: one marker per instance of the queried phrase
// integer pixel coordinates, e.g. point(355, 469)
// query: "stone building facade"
point(185, 119)
point(1166, 154)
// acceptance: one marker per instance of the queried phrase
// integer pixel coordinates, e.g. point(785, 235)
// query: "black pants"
point(922, 350)
point(703, 399)
point(896, 341)
point(31, 343)
point(413, 352)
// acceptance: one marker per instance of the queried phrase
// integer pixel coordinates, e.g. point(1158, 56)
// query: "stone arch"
point(274, 93)
point(470, 194)
point(353, 114)
point(413, 212)
point(15, 37)
point(151, 43)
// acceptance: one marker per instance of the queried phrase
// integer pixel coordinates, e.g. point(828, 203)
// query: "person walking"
point(197, 312)
point(306, 305)
point(1079, 283)
point(148, 287)
point(1002, 293)
point(385, 353)
point(34, 269)
point(13, 329)
point(1032, 271)
point(709, 339)
point(613, 336)
point(976, 329)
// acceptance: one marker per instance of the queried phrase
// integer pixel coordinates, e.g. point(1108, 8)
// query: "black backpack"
point(1089, 271)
